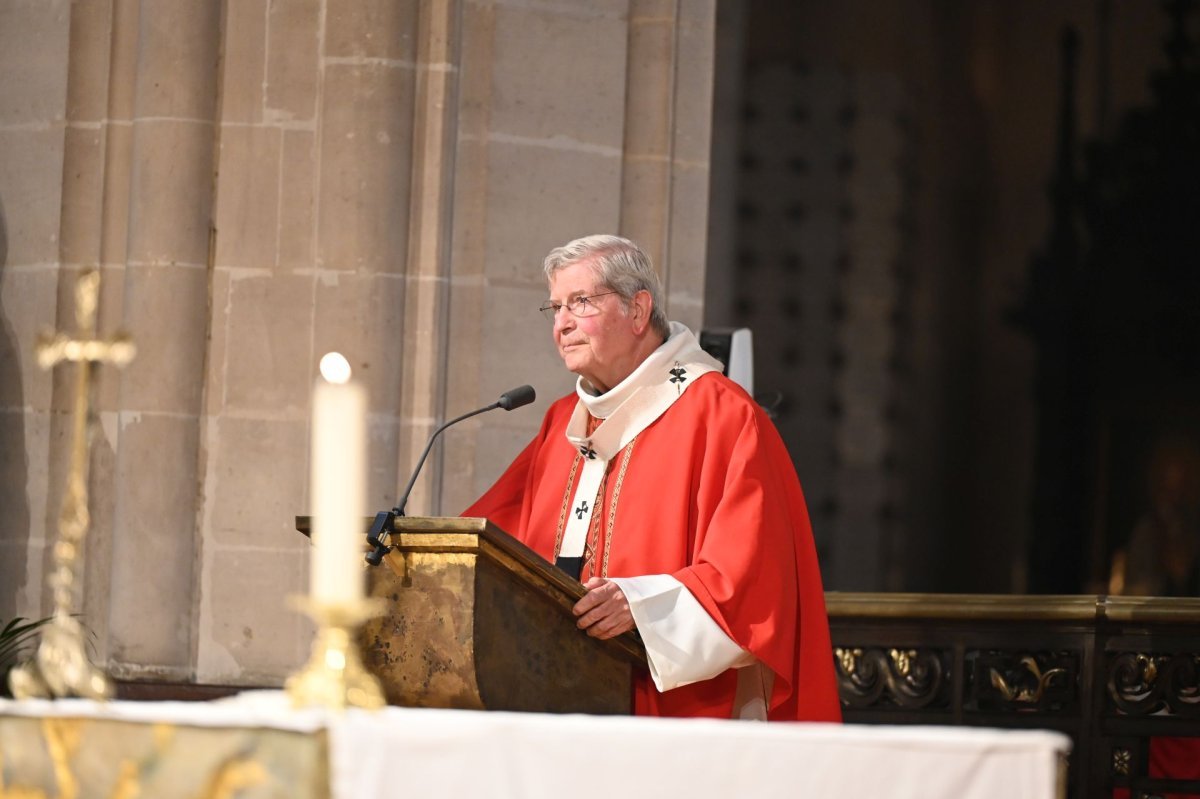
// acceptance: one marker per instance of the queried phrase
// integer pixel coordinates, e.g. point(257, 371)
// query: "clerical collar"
point(626, 409)
point(639, 399)
point(680, 347)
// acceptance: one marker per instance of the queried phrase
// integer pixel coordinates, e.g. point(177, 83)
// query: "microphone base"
point(379, 535)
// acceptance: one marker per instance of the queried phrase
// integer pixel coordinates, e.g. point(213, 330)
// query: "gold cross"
point(85, 348)
point(61, 666)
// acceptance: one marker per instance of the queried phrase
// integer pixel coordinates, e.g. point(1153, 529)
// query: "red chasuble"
point(710, 497)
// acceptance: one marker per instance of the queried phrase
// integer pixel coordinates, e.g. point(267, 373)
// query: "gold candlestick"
point(61, 666)
point(334, 676)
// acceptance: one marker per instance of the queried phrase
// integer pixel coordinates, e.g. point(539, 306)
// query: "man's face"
point(600, 346)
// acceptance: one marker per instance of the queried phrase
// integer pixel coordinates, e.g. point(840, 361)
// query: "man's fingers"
point(591, 600)
point(597, 593)
point(588, 602)
point(611, 627)
point(587, 620)
point(604, 610)
point(602, 629)
point(598, 614)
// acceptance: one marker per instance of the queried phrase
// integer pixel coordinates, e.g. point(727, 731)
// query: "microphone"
point(510, 400)
point(382, 526)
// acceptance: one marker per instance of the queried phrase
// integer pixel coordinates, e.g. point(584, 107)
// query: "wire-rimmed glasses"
point(578, 306)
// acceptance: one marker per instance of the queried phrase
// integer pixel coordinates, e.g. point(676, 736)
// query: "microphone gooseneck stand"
point(379, 536)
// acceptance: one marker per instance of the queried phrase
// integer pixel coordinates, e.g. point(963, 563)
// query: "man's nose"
point(564, 320)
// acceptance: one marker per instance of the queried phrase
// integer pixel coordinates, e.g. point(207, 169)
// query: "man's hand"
point(603, 611)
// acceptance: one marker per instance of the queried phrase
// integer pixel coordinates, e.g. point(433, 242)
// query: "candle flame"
point(335, 368)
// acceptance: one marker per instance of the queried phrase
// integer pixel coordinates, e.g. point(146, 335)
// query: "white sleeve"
point(683, 643)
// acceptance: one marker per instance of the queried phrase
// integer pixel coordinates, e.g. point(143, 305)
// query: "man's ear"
point(641, 306)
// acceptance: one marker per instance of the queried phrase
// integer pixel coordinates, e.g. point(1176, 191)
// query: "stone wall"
point(263, 181)
point(34, 40)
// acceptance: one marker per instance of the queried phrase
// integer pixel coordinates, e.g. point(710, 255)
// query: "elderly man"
point(666, 490)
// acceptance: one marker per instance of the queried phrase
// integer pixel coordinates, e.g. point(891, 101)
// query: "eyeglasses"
point(580, 306)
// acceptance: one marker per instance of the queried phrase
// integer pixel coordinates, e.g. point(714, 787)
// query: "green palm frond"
point(16, 636)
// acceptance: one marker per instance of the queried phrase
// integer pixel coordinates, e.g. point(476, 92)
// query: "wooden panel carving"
point(1141, 684)
point(906, 678)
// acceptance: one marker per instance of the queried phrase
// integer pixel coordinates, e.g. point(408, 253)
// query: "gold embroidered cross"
point(61, 666)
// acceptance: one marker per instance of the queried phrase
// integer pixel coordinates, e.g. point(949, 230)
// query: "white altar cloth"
point(453, 753)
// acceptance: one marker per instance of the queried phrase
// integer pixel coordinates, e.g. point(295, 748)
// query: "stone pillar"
point(316, 127)
point(132, 181)
point(165, 299)
point(95, 232)
point(668, 127)
point(574, 118)
point(264, 181)
point(34, 42)
point(431, 216)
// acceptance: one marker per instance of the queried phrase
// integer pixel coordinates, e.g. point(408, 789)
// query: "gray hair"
point(618, 264)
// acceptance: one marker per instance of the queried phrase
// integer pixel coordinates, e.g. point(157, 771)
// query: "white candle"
point(339, 419)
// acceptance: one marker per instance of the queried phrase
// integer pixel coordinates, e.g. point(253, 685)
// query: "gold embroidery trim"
point(591, 542)
point(566, 505)
point(612, 506)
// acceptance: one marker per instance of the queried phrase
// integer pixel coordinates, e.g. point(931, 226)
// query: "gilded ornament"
point(900, 659)
point(61, 666)
point(334, 676)
point(848, 658)
point(1024, 694)
point(1122, 760)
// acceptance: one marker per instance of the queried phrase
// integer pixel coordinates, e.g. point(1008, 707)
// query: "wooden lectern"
point(475, 619)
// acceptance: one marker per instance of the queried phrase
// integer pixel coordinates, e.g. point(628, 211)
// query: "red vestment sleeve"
point(507, 504)
point(754, 566)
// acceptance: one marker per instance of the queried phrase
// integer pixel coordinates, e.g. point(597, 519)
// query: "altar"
point(256, 745)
